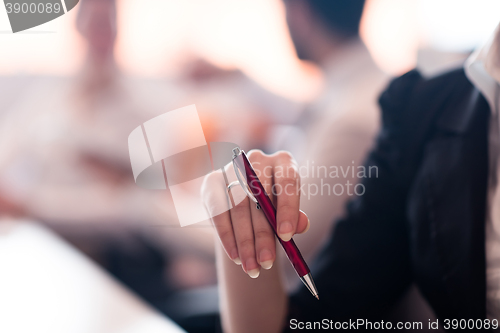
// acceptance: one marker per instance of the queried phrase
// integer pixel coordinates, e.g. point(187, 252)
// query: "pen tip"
point(317, 297)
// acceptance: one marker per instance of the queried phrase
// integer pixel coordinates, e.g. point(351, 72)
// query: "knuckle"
point(286, 208)
point(212, 185)
point(286, 155)
point(288, 213)
point(241, 209)
point(287, 180)
point(210, 179)
point(286, 158)
point(226, 235)
point(256, 152)
point(262, 234)
point(213, 192)
point(246, 243)
point(256, 155)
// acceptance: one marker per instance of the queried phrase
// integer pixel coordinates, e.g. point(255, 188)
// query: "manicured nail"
point(307, 228)
point(286, 231)
point(252, 268)
point(254, 273)
point(237, 261)
point(266, 259)
point(266, 264)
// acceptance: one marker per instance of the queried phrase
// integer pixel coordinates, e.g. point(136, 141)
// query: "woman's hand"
point(244, 231)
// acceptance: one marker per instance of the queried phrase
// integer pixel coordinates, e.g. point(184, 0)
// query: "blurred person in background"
point(431, 216)
point(340, 126)
point(96, 23)
point(228, 97)
point(64, 161)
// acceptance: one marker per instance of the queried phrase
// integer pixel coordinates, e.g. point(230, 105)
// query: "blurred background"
point(72, 90)
point(248, 35)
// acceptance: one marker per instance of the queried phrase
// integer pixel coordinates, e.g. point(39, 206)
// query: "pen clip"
point(237, 152)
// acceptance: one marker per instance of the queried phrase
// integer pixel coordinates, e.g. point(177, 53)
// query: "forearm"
point(250, 305)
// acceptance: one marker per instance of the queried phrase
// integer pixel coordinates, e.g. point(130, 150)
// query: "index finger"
point(286, 189)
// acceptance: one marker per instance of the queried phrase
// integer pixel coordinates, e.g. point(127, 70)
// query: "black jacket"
point(422, 220)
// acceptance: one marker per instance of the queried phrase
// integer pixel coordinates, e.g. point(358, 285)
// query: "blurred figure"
point(340, 126)
point(432, 218)
point(96, 22)
point(226, 97)
point(64, 160)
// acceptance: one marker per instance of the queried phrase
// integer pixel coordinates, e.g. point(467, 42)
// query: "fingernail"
point(266, 259)
point(266, 264)
point(308, 226)
point(237, 261)
point(254, 273)
point(286, 231)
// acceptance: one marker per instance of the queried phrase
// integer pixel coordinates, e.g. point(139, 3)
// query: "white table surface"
point(48, 286)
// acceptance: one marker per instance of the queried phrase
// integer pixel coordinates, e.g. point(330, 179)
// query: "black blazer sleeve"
point(365, 266)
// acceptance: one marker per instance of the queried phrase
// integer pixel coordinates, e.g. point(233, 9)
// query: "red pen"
point(255, 191)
